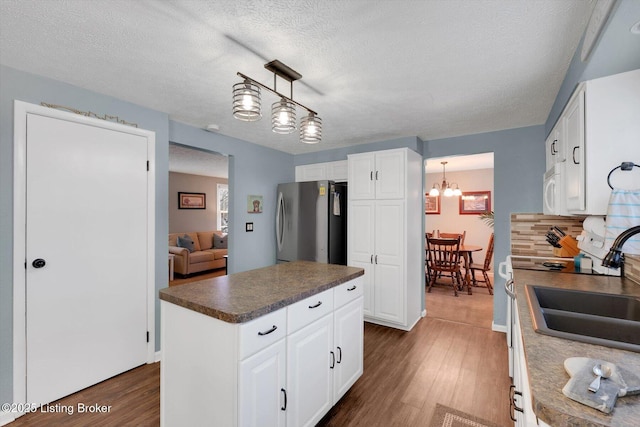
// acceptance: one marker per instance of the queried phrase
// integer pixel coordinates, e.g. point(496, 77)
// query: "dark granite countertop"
point(545, 355)
point(240, 297)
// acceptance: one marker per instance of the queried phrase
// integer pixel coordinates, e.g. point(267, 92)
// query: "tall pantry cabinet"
point(385, 234)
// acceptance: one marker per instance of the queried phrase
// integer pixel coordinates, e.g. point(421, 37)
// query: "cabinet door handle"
point(339, 355)
point(316, 305)
point(353, 288)
point(371, 259)
point(376, 259)
point(273, 328)
point(284, 393)
point(333, 360)
point(574, 155)
point(512, 402)
point(376, 175)
point(553, 147)
point(371, 176)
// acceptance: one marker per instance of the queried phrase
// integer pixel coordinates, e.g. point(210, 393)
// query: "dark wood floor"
point(451, 357)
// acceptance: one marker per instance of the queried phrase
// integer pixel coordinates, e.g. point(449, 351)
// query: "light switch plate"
point(248, 227)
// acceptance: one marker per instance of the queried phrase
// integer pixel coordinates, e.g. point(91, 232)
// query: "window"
point(223, 207)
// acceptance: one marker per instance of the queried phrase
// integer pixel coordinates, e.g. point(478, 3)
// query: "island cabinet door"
point(262, 392)
point(348, 334)
point(310, 363)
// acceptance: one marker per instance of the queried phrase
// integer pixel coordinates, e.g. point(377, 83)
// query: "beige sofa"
point(204, 257)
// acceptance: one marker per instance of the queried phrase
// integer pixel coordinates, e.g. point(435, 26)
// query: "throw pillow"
point(186, 242)
point(220, 242)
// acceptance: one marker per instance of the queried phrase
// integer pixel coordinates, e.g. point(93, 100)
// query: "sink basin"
point(591, 317)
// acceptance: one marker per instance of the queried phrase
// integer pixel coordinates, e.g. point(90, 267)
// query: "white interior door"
point(86, 217)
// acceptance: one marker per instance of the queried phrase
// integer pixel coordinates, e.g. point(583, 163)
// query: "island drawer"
point(262, 332)
point(306, 311)
point(348, 291)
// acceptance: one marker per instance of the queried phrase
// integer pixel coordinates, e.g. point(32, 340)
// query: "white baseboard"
point(499, 328)
point(158, 356)
point(6, 418)
point(424, 313)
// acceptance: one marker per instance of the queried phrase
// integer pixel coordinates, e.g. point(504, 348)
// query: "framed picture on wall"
point(192, 200)
point(475, 202)
point(254, 204)
point(431, 205)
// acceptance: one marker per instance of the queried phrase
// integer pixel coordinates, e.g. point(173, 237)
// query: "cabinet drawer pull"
point(284, 392)
point(273, 328)
point(512, 402)
point(333, 360)
point(339, 355)
point(353, 288)
point(316, 305)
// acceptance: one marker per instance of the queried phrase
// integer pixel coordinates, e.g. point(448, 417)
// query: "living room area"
point(198, 214)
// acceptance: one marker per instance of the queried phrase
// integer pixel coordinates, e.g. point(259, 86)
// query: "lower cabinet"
point(521, 407)
point(287, 368)
point(262, 393)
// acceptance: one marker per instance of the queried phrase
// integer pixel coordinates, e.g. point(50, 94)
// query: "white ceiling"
point(374, 70)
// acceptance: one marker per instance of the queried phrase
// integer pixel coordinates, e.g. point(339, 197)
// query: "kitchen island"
point(275, 345)
point(545, 355)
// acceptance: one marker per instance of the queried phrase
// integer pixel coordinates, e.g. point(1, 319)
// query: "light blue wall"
point(252, 170)
point(617, 51)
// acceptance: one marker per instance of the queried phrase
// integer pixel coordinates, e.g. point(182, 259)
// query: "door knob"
point(38, 263)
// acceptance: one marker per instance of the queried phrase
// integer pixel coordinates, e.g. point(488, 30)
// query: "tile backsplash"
point(528, 232)
point(528, 237)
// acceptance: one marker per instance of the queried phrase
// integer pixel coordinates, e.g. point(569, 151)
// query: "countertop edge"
point(253, 314)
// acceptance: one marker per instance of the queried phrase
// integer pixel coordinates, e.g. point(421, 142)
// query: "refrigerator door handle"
point(280, 223)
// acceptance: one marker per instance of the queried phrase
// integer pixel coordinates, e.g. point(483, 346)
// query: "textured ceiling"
point(373, 70)
point(197, 162)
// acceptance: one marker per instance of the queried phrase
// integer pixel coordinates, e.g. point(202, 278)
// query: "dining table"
point(467, 255)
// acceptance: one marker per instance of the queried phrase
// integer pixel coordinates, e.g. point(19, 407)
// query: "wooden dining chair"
point(484, 268)
point(453, 236)
point(444, 257)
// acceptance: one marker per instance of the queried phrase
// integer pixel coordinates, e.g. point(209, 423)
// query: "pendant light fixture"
point(247, 102)
point(447, 187)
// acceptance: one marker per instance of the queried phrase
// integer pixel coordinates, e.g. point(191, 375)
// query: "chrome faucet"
point(615, 257)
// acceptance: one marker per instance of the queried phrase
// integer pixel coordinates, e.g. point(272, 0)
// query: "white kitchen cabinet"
point(383, 235)
point(309, 375)
point(333, 171)
point(555, 145)
point(262, 388)
point(601, 128)
point(286, 368)
point(377, 175)
point(348, 338)
point(521, 406)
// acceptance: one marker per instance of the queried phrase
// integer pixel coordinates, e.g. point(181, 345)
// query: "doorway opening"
point(470, 214)
point(206, 175)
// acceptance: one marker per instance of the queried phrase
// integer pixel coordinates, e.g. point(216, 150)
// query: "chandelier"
point(247, 104)
point(449, 188)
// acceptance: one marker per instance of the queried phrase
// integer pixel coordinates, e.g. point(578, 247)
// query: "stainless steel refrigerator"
point(311, 222)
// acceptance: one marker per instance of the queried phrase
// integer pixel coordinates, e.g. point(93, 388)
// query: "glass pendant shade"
point(283, 117)
point(311, 129)
point(448, 192)
point(246, 102)
point(434, 192)
point(457, 191)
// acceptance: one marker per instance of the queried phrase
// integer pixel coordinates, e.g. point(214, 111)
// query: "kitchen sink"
point(591, 317)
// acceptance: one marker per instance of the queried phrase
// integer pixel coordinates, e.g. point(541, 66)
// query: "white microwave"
point(553, 191)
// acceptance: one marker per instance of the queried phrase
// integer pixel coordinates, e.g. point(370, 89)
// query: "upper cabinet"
point(377, 175)
point(333, 171)
point(597, 131)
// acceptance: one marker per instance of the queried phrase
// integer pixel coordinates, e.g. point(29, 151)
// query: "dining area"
point(449, 262)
